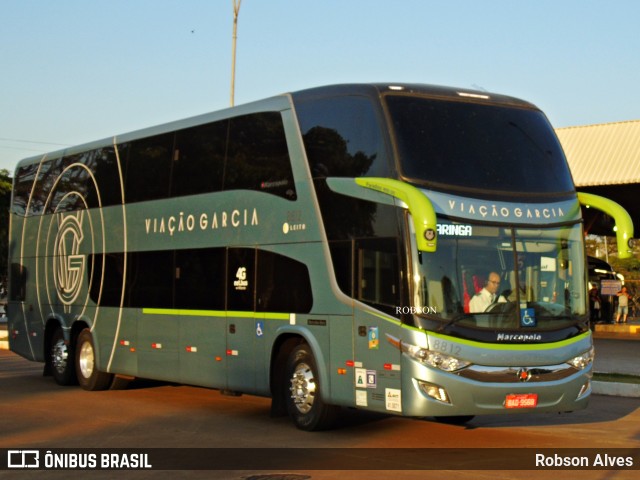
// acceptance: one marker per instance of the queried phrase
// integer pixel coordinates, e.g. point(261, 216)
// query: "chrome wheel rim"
point(60, 356)
point(86, 359)
point(303, 388)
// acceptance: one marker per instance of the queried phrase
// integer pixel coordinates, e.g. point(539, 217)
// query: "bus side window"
point(343, 137)
point(378, 281)
point(342, 259)
point(258, 156)
point(71, 186)
point(283, 284)
point(103, 164)
point(198, 159)
point(200, 279)
point(42, 192)
point(106, 276)
point(148, 167)
point(22, 187)
point(150, 279)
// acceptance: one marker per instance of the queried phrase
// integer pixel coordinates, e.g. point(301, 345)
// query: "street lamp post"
point(236, 11)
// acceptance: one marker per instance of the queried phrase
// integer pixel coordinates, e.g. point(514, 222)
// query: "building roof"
point(605, 154)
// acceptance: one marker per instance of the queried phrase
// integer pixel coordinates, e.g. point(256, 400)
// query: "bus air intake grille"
point(547, 373)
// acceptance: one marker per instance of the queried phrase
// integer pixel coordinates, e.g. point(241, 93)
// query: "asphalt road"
point(37, 413)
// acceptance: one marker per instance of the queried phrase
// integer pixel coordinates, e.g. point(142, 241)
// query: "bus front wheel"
point(303, 395)
point(89, 377)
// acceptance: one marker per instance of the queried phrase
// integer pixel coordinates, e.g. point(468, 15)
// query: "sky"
point(75, 71)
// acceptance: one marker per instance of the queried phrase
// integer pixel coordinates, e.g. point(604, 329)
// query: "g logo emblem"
point(69, 264)
point(71, 236)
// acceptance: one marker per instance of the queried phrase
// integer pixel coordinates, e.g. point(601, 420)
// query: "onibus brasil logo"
point(68, 263)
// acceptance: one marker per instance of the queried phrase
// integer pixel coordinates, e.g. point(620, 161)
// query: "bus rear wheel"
point(89, 377)
point(62, 362)
point(303, 396)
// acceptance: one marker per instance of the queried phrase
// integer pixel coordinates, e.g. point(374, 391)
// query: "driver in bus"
point(486, 297)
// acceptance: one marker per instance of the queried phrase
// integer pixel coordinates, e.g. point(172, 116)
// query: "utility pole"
point(236, 11)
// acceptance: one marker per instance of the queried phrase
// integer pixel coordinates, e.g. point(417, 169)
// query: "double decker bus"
point(326, 248)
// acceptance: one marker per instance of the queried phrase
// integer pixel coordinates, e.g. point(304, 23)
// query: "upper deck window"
point(247, 152)
point(472, 146)
point(342, 137)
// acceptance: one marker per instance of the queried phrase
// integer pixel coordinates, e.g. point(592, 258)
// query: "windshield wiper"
point(454, 320)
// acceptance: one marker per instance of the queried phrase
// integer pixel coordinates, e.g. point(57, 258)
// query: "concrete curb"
point(618, 329)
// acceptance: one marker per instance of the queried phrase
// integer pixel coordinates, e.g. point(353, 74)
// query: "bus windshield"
point(501, 277)
point(477, 147)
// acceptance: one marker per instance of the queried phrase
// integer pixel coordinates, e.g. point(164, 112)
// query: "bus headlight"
point(438, 360)
point(582, 361)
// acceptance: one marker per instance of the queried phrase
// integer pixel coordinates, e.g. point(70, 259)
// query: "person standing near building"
point(623, 305)
point(594, 305)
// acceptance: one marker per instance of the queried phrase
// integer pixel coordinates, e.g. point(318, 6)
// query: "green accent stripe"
point(285, 316)
point(214, 313)
point(511, 346)
point(386, 318)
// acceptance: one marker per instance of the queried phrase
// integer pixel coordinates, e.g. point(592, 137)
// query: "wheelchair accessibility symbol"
point(528, 317)
point(259, 328)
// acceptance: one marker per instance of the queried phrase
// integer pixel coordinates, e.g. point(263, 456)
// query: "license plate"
point(521, 400)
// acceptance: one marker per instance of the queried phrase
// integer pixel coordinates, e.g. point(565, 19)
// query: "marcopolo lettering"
point(519, 337)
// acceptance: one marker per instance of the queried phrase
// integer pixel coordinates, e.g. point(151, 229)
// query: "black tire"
point(455, 420)
point(62, 359)
point(303, 392)
point(89, 377)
